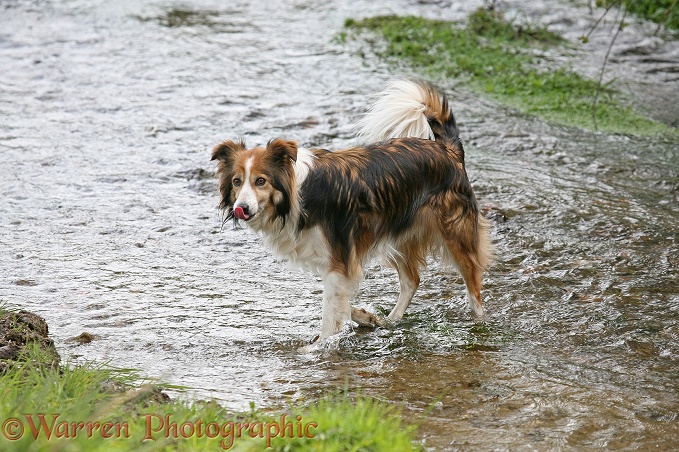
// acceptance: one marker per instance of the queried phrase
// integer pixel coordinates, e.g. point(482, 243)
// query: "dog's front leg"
point(337, 292)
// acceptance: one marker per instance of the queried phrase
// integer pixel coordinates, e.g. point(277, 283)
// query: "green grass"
point(100, 394)
point(344, 424)
point(503, 61)
point(659, 11)
point(491, 24)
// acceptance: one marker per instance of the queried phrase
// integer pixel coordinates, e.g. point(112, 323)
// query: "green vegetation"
point(664, 12)
point(506, 63)
point(97, 395)
point(491, 24)
point(362, 424)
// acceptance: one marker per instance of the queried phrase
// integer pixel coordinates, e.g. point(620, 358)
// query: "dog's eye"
point(260, 181)
point(236, 182)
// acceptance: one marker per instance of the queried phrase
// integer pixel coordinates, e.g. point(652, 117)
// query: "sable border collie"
point(402, 197)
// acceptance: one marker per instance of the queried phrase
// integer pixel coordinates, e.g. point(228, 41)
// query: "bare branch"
point(621, 25)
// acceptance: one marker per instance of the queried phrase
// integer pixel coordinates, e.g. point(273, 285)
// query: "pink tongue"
point(238, 213)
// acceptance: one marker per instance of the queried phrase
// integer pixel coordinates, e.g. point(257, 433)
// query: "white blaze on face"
point(247, 196)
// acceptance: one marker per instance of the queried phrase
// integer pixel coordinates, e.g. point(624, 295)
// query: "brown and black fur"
point(402, 199)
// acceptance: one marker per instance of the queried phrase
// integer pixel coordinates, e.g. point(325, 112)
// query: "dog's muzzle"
point(241, 212)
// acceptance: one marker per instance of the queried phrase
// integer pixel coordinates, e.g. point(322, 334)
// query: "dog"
point(403, 197)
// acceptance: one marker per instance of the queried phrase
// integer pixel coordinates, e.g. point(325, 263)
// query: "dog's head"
point(256, 185)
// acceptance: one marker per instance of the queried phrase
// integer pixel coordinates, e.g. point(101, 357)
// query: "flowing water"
point(109, 223)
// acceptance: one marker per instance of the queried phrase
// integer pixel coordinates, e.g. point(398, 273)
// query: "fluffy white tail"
point(408, 109)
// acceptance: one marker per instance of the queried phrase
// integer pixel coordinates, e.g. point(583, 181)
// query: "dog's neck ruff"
point(282, 235)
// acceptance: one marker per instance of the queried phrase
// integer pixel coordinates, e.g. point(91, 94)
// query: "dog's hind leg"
point(469, 248)
point(409, 278)
point(337, 291)
point(472, 274)
point(470, 254)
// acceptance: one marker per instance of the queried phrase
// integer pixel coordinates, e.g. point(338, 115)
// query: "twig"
point(608, 8)
point(621, 25)
point(665, 17)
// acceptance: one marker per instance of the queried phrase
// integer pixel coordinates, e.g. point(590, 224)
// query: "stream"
point(109, 222)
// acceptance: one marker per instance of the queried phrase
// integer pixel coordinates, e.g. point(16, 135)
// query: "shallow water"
point(110, 226)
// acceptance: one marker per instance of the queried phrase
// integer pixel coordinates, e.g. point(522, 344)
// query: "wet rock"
point(82, 338)
point(25, 282)
point(308, 123)
point(9, 352)
point(147, 396)
point(113, 387)
point(157, 397)
point(200, 180)
point(20, 331)
point(196, 174)
point(494, 213)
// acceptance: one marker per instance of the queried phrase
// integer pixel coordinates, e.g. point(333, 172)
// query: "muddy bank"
point(20, 332)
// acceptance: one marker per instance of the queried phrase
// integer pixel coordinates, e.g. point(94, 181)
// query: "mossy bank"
point(507, 63)
point(662, 12)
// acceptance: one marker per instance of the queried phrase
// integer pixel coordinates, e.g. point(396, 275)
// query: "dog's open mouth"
point(240, 214)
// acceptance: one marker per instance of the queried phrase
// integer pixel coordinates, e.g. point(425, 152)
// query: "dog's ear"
point(280, 150)
point(226, 154)
point(226, 151)
point(281, 153)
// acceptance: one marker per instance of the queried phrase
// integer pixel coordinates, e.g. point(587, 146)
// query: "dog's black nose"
point(246, 208)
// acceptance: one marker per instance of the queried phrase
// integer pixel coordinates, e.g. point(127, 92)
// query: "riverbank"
point(525, 67)
point(663, 12)
point(94, 407)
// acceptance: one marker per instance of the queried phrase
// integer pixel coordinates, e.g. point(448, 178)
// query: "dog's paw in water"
point(311, 347)
point(328, 344)
point(365, 318)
